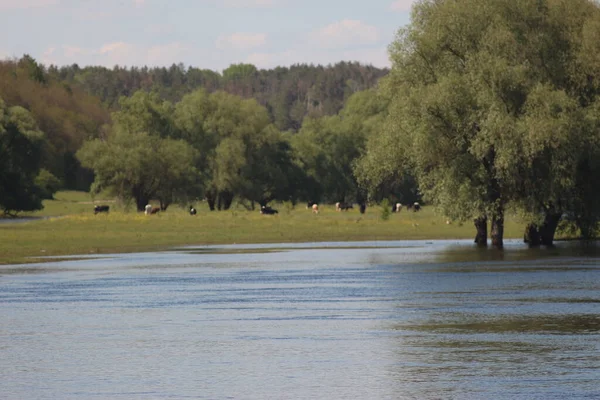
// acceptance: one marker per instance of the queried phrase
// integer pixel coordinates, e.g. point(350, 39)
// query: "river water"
point(373, 320)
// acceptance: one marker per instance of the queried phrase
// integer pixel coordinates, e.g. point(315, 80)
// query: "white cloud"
point(26, 4)
point(139, 3)
point(241, 41)
point(345, 33)
point(402, 5)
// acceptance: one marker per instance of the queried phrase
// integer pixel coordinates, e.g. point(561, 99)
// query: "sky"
point(207, 34)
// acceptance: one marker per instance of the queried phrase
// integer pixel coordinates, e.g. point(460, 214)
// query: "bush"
point(386, 210)
point(48, 184)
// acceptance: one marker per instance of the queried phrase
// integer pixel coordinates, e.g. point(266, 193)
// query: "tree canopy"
point(493, 105)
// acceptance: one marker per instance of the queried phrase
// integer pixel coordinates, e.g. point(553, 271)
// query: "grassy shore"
point(72, 228)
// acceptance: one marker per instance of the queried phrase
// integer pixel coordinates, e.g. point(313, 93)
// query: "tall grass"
point(75, 229)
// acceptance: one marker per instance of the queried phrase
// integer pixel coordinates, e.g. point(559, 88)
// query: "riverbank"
point(73, 229)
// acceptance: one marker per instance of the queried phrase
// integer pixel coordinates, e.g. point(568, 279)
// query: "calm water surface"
point(376, 320)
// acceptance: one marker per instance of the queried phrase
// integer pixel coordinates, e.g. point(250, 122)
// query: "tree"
point(236, 142)
point(466, 85)
point(145, 112)
point(20, 155)
point(141, 167)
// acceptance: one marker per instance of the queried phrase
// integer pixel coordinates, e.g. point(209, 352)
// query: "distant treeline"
point(288, 93)
point(72, 104)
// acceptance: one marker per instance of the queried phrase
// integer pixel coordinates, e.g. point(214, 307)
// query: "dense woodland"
point(488, 109)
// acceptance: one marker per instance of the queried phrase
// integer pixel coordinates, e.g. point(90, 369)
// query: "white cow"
point(148, 209)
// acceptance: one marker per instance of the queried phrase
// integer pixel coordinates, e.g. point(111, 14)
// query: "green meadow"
point(71, 228)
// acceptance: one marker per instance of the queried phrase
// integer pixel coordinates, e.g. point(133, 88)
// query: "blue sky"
point(208, 34)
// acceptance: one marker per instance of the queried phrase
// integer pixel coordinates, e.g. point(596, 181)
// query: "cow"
point(148, 210)
point(398, 207)
point(362, 208)
point(101, 209)
point(416, 207)
point(343, 206)
point(192, 210)
point(266, 210)
point(310, 204)
point(315, 208)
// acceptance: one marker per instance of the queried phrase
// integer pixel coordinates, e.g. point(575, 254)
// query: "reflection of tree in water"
point(474, 254)
point(575, 324)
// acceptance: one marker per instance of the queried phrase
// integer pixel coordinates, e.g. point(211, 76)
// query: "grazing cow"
point(310, 204)
point(192, 210)
point(343, 206)
point(398, 207)
point(416, 207)
point(315, 208)
point(266, 210)
point(100, 209)
point(148, 210)
point(362, 208)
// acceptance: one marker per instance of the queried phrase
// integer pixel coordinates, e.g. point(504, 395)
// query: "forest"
point(487, 110)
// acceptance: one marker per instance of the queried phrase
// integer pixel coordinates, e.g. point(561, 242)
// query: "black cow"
point(343, 206)
point(416, 207)
point(268, 210)
point(362, 208)
point(192, 210)
point(101, 209)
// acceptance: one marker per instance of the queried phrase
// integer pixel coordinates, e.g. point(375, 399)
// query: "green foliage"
point(239, 71)
point(491, 105)
point(67, 116)
point(288, 93)
point(48, 184)
point(386, 210)
point(20, 156)
point(141, 167)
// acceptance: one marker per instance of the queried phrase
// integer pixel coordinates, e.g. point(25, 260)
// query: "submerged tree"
point(487, 101)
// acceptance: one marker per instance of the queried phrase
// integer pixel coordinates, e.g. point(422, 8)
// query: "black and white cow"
point(101, 209)
point(266, 210)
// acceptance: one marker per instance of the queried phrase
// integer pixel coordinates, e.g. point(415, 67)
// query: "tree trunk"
point(227, 198)
point(210, 199)
point(498, 230)
point(532, 235)
point(140, 202)
point(481, 227)
point(548, 229)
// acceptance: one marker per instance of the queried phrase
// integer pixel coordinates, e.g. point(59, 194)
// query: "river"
point(369, 320)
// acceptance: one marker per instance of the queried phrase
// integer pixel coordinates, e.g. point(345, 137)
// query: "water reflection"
point(555, 324)
point(516, 251)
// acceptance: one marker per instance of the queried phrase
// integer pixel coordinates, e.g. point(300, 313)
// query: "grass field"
point(72, 228)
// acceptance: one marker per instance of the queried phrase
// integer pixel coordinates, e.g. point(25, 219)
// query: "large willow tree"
point(495, 103)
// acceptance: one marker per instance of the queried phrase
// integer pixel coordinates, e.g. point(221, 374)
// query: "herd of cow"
point(267, 210)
